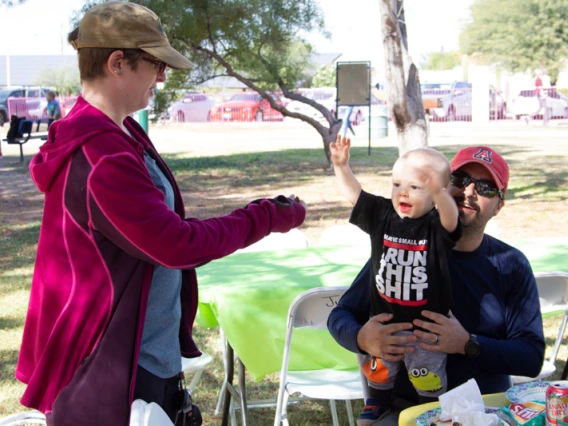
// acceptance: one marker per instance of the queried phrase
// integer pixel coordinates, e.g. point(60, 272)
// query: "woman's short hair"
point(92, 60)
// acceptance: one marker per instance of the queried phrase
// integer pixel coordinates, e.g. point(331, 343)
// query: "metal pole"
point(143, 119)
point(8, 75)
point(369, 79)
point(370, 118)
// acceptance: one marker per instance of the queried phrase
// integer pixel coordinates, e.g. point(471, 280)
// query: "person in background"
point(541, 84)
point(114, 291)
point(494, 329)
point(53, 110)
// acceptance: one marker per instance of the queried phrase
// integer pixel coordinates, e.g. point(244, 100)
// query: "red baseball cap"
point(488, 158)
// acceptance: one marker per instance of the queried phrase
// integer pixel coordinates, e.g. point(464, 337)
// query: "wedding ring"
point(437, 338)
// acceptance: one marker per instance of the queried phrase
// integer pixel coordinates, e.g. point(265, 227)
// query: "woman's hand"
point(297, 200)
point(446, 334)
point(377, 339)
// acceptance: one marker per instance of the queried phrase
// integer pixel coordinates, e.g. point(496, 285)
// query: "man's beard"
point(471, 224)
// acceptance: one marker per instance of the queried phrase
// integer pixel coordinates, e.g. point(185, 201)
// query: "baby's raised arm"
point(437, 175)
point(446, 205)
point(348, 183)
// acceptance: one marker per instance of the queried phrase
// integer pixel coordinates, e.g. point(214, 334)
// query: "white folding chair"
point(346, 234)
point(311, 310)
point(144, 414)
point(26, 418)
point(553, 296)
point(195, 366)
point(294, 238)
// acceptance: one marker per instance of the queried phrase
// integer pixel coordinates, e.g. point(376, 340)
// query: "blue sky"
point(41, 26)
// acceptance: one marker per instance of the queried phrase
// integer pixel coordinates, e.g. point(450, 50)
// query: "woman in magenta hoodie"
point(114, 291)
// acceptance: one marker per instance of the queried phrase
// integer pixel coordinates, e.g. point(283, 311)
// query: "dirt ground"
point(526, 148)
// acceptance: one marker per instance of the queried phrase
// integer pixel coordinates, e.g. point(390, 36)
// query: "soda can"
point(557, 403)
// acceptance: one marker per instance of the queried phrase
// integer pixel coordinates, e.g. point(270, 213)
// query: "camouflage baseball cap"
point(120, 24)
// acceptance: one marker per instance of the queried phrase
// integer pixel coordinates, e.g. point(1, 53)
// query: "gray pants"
point(542, 106)
point(426, 370)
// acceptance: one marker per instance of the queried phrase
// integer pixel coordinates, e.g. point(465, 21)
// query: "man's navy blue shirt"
point(494, 296)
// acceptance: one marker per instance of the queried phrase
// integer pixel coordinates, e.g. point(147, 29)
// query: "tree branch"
point(280, 108)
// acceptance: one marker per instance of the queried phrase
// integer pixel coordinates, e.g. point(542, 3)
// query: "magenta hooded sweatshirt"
point(104, 226)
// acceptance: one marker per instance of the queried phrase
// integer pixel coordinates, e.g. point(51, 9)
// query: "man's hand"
point(451, 336)
point(377, 339)
point(340, 151)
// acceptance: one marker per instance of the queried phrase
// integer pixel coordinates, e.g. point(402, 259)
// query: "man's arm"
point(524, 329)
point(348, 183)
point(351, 312)
point(522, 352)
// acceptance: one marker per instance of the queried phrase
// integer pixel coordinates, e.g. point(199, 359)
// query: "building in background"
point(21, 70)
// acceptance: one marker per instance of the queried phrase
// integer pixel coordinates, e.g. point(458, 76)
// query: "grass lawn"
point(222, 167)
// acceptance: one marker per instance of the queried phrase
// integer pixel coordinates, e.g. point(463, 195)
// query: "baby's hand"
point(432, 180)
point(340, 150)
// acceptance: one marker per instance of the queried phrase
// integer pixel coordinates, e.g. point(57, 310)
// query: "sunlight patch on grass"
point(26, 271)
point(15, 302)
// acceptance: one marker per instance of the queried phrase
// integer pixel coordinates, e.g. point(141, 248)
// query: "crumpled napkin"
point(464, 405)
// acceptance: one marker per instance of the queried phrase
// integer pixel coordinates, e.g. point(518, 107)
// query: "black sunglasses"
point(483, 187)
point(160, 64)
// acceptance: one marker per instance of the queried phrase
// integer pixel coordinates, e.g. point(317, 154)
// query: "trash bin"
point(142, 118)
point(379, 121)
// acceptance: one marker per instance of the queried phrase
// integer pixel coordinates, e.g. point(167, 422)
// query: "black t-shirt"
point(409, 259)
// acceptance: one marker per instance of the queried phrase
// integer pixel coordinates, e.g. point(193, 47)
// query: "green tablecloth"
point(248, 295)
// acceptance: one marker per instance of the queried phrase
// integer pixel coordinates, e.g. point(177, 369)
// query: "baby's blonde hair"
point(428, 157)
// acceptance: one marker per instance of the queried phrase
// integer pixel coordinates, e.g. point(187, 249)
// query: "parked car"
point(325, 96)
point(360, 114)
point(497, 104)
point(453, 101)
point(32, 107)
point(246, 106)
point(192, 107)
point(65, 104)
point(526, 103)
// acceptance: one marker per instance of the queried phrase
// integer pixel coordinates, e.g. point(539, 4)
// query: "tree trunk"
point(329, 135)
point(403, 85)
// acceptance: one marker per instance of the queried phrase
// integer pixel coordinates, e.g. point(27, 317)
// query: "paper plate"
point(433, 416)
point(525, 392)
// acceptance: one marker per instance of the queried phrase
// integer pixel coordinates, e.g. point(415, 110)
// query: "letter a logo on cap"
point(484, 154)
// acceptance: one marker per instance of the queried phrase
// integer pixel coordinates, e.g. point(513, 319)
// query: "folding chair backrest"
point(311, 308)
point(156, 416)
point(148, 414)
point(552, 291)
point(553, 295)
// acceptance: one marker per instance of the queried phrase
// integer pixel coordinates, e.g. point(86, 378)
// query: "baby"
point(412, 234)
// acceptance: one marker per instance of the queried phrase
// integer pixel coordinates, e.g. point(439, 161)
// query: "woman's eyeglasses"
point(160, 64)
point(482, 187)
